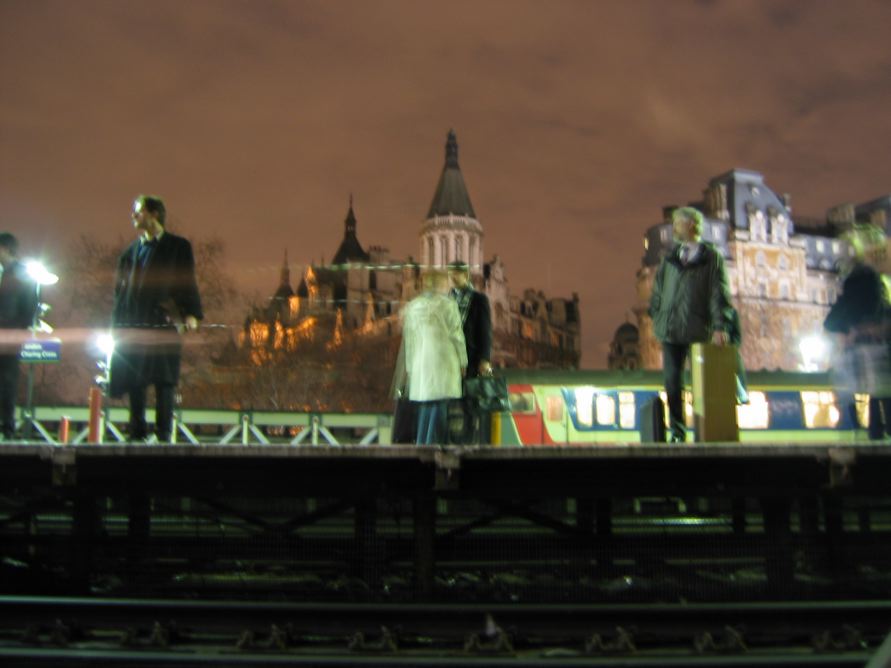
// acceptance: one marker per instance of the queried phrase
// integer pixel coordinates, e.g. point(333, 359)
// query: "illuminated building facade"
point(362, 291)
point(784, 272)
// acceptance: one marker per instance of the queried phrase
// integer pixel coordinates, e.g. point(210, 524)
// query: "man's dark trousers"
point(9, 384)
point(163, 412)
point(674, 360)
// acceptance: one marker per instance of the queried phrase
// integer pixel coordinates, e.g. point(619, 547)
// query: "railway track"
point(51, 631)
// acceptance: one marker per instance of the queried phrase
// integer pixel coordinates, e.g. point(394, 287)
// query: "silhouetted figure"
point(476, 322)
point(155, 299)
point(861, 316)
point(18, 305)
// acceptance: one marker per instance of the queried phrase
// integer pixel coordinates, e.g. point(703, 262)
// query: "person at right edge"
point(690, 303)
point(860, 316)
point(476, 317)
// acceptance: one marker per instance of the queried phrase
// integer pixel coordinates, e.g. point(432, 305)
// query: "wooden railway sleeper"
point(497, 640)
point(849, 638)
point(621, 643)
point(279, 639)
point(386, 643)
point(732, 641)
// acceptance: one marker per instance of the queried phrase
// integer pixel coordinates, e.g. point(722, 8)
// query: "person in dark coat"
point(861, 316)
point(477, 318)
point(689, 304)
point(18, 305)
point(155, 299)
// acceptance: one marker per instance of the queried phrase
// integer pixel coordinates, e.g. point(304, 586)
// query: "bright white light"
point(44, 327)
point(813, 352)
point(40, 274)
point(105, 343)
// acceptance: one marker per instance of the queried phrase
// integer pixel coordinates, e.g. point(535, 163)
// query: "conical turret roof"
point(451, 194)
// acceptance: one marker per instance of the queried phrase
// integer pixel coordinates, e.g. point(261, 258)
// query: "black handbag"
point(490, 392)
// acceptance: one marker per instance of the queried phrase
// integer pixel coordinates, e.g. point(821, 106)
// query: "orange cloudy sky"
point(577, 121)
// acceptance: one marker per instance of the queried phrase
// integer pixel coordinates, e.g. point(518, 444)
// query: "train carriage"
point(561, 407)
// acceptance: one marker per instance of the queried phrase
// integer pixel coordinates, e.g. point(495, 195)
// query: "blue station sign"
point(42, 350)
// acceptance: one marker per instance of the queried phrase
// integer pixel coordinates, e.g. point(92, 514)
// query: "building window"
point(784, 291)
point(459, 248)
point(471, 247)
point(444, 250)
point(760, 259)
point(783, 263)
point(431, 252)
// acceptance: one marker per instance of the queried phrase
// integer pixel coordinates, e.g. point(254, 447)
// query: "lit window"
point(606, 410)
point(627, 410)
point(835, 247)
point(820, 410)
point(755, 414)
point(554, 408)
point(861, 406)
point(820, 246)
point(584, 407)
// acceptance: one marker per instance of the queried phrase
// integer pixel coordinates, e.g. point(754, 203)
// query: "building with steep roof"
point(366, 288)
point(451, 232)
point(783, 275)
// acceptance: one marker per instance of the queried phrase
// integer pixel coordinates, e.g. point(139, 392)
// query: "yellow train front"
point(556, 407)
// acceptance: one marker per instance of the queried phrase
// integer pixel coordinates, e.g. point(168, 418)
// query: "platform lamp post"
point(105, 345)
point(36, 350)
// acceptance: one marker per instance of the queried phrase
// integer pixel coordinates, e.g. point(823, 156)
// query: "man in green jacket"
point(689, 304)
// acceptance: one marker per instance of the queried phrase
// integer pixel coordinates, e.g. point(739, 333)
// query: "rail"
point(223, 427)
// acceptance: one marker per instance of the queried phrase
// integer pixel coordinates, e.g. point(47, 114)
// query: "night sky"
point(577, 122)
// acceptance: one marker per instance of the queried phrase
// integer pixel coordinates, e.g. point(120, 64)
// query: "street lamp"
point(40, 274)
point(38, 351)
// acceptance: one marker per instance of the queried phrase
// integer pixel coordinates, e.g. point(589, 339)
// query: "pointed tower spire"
point(350, 250)
point(451, 194)
point(452, 150)
point(286, 272)
point(350, 220)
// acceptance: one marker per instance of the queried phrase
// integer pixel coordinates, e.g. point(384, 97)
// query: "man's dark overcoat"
point(478, 332)
point(155, 288)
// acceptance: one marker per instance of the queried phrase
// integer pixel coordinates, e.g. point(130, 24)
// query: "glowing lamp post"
point(36, 350)
point(813, 351)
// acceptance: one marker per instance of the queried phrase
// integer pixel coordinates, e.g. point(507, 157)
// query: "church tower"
point(451, 231)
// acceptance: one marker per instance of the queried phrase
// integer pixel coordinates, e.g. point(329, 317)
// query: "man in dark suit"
point(155, 299)
point(18, 304)
point(477, 318)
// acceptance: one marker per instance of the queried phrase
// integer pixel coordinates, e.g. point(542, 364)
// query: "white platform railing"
point(221, 426)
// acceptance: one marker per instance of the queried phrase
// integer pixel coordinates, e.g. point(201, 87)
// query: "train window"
point(606, 410)
point(820, 410)
point(861, 406)
point(554, 408)
point(584, 406)
point(627, 410)
point(522, 402)
point(755, 414)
